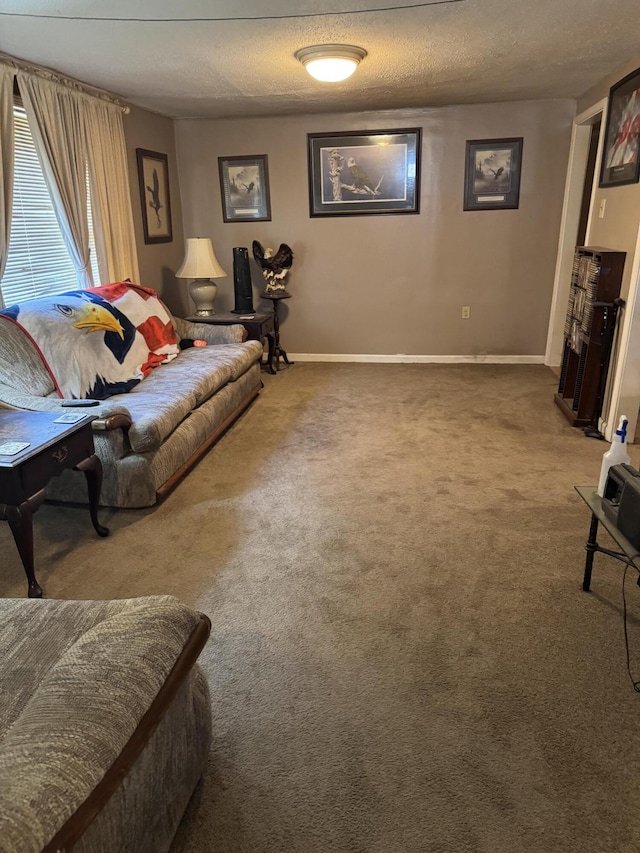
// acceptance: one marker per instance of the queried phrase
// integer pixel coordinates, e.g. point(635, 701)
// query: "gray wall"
point(159, 261)
point(396, 284)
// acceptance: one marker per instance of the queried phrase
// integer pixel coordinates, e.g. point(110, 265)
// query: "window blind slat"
point(38, 263)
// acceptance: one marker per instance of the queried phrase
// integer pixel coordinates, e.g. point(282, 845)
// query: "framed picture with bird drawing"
point(155, 199)
point(356, 173)
point(244, 184)
point(492, 174)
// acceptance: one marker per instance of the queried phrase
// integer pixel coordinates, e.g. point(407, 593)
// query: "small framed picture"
point(155, 199)
point(244, 183)
point(355, 173)
point(621, 158)
point(492, 174)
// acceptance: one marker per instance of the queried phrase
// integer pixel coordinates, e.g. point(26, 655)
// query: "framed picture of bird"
point(244, 184)
point(155, 199)
point(357, 173)
point(492, 174)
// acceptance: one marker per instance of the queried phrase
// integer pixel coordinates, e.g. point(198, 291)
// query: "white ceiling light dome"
point(331, 63)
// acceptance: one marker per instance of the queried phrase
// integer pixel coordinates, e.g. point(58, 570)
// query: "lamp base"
point(203, 292)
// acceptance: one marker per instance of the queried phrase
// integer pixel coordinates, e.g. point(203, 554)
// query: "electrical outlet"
point(466, 312)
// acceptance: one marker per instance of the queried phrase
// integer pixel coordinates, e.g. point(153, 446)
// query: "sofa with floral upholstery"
point(161, 401)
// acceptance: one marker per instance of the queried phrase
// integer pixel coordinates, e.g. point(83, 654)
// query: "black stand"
point(278, 352)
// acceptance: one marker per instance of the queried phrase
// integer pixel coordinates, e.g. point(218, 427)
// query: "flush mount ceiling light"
point(331, 63)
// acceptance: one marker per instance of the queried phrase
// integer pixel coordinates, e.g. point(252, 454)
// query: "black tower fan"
point(242, 282)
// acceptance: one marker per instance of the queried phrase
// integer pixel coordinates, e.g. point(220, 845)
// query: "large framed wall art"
point(492, 174)
point(155, 200)
point(357, 173)
point(621, 158)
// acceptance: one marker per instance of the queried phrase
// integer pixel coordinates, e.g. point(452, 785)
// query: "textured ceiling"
point(460, 51)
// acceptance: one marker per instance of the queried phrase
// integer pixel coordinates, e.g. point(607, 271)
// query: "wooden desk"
point(53, 447)
point(260, 327)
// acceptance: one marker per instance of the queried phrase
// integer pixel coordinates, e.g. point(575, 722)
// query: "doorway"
point(581, 182)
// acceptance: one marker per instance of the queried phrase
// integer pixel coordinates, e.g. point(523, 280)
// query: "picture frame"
point(244, 186)
point(492, 174)
point(359, 173)
point(155, 196)
point(620, 156)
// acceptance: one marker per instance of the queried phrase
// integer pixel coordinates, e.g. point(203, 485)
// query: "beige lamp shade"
point(200, 260)
point(201, 265)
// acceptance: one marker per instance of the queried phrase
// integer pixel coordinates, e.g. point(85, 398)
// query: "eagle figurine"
point(274, 268)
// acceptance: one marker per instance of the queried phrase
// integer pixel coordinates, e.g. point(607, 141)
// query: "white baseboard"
point(402, 358)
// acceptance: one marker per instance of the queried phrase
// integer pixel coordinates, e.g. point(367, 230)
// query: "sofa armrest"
point(111, 422)
point(86, 716)
point(211, 334)
point(109, 415)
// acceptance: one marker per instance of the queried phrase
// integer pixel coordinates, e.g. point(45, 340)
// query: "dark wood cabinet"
point(588, 333)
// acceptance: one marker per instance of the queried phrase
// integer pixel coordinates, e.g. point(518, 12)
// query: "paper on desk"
point(10, 448)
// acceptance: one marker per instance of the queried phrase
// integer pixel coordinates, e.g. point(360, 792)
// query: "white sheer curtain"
point(7, 76)
point(110, 194)
point(58, 129)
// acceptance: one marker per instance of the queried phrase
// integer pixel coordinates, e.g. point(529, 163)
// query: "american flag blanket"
point(98, 342)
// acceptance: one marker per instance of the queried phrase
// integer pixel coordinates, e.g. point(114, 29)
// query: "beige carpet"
point(402, 659)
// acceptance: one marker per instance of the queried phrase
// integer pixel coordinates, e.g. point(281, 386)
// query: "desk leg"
point(591, 547)
point(20, 520)
point(91, 467)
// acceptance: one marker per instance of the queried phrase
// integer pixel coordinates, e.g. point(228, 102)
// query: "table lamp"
point(201, 265)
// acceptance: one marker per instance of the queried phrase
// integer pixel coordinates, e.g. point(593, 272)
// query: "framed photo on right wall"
point(492, 174)
point(621, 158)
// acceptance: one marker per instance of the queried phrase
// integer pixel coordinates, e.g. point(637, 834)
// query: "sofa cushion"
point(165, 398)
point(160, 403)
point(155, 415)
point(238, 357)
point(196, 365)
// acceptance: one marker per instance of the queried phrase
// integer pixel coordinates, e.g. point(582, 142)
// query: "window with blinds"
point(38, 262)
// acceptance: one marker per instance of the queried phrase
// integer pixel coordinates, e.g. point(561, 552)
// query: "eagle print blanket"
point(98, 342)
